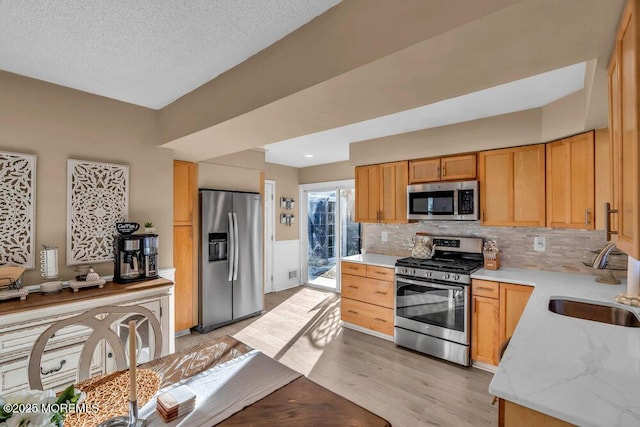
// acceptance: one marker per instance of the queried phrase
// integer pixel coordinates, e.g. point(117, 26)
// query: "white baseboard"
point(484, 366)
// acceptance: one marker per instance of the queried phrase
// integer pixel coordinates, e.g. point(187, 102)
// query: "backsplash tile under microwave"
point(566, 249)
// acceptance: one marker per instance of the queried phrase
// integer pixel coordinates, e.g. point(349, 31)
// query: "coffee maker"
point(150, 255)
point(128, 258)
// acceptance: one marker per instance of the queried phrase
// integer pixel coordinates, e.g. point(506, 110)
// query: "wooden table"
point(300, 403)
point(304, 403)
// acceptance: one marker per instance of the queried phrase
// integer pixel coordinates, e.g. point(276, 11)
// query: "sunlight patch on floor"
point(297, 330)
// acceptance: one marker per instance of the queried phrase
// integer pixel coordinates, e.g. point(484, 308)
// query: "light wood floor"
point(301, 328)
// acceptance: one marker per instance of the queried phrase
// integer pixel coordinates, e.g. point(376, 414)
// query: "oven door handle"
point(429, 284)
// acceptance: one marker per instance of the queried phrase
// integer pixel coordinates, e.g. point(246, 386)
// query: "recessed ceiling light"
point(308, 155)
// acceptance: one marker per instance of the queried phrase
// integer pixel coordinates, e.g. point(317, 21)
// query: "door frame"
point(304, 225)
point(269, 233)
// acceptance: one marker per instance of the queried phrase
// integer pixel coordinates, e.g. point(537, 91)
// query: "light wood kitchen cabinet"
point(368, 297)
point(185, 179)
point(603, 175)
point(496, 311)
point(367, 193)
point(484, 333)
point(512, 186)
point(513, 415)
point(615, 138)
point(183, 261)
point(623, 95)
point(513, 300)
point(381, 192)
point(185, 225)
point(450, 168)
point(570, 164)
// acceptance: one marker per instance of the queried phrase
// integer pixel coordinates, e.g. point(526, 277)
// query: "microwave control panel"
point(465, 202)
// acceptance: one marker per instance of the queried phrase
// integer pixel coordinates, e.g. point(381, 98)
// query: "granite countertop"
point(584, 372)
point(388, 261)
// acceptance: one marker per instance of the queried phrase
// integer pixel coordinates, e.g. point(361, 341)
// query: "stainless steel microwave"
point(453, 201)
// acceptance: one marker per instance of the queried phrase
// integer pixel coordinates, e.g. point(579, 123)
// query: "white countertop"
point(581, 371)
point(373, 259)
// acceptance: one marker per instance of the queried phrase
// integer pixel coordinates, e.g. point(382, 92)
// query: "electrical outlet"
point(384, 236)
point(539, 244)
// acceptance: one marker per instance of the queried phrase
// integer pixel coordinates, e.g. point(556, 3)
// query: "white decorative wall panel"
point(97, 198)
point(286, 258)
point(17, 208)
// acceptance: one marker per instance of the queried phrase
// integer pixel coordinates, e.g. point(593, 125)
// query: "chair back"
point(100, 320)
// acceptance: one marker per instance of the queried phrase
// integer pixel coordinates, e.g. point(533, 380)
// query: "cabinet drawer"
point(354, 268)
point(17, 341)
point(368, 316)
point(380, 273)
point(59, 367)
point(485, 288)
point(378, 292)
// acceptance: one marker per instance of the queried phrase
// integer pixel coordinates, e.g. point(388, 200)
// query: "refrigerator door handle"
point(236, 246)
point(232, 245)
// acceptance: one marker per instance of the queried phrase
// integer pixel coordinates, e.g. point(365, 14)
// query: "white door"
point(269, 224)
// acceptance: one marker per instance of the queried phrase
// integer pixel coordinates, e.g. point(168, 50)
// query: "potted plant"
point(149, 228)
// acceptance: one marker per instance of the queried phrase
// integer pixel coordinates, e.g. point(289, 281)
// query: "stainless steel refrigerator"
point(230, 268)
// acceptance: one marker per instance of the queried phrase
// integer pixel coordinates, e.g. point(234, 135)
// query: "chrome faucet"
point(600, 261)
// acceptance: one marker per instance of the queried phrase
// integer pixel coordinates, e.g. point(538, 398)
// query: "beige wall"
point(57, 124)
point(222, 177)
point(287, 181)
point(248, 159)
point(329, 172)
point(507, 130)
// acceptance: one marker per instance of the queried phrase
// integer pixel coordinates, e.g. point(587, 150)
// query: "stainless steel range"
point(433, 299)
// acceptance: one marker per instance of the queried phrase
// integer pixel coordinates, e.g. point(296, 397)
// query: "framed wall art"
point(97, 198)
point(17, 208)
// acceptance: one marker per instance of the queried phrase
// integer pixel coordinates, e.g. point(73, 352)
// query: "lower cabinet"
point(484, 331)
point(367, 297)
point(60, 360)
point(513, 415)
point(496, 310)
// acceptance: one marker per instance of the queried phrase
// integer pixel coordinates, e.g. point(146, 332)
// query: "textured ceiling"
point(145, 52)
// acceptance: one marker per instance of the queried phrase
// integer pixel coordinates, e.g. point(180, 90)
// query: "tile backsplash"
point(566, 249)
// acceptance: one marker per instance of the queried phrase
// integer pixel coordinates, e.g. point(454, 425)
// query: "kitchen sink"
point(594, 311)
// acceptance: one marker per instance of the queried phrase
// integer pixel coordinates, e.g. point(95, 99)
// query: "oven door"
point(436, 309)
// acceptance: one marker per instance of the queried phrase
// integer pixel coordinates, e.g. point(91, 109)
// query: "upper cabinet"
point(623, 99)
point(512, 186)
point(452, 168)
point(185, 180)
point(570, 182)
point(381, 192)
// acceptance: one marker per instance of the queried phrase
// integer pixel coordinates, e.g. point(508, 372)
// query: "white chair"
point(101, 320)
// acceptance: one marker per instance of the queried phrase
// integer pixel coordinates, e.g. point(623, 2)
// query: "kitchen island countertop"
point(388, 261)
point(580, 371)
